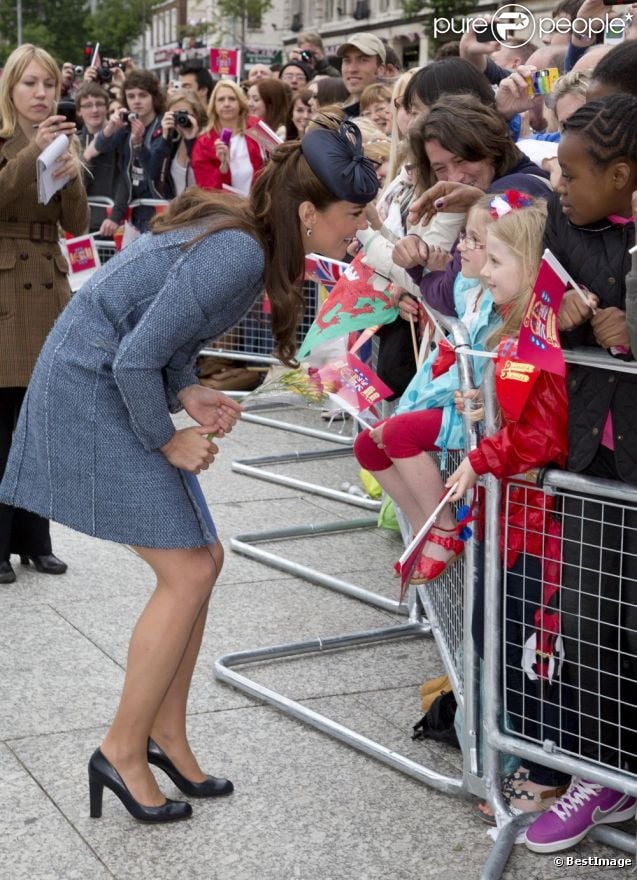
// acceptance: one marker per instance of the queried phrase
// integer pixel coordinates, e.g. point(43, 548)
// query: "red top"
point(206, 165)
point(537, 438)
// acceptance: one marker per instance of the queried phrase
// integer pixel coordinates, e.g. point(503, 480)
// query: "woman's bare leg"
point(161, 642)
point(169, 728)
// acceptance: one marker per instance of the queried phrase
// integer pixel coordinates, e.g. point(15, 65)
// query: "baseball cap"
point(368, 44)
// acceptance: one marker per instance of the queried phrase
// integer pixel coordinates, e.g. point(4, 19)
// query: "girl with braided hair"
point(590, 229)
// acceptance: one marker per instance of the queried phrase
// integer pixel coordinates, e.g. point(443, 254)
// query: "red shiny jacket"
point(535, 439)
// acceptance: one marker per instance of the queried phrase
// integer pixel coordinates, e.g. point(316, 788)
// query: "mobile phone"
point(487, 35)
point(226, 135)
point(542, 82)
point(67, 109)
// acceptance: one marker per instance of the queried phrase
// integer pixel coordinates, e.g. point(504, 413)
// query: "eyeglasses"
point(94, 105)
point(470, 243)
point(293, 77)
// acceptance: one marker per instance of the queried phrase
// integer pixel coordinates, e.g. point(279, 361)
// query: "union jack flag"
point(323, 270)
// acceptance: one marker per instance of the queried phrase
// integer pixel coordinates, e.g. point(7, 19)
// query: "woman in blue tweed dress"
point(96, 448)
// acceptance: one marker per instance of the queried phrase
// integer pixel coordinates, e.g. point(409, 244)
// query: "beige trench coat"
point(33, 280)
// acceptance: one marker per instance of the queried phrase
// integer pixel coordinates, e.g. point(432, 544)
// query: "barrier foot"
point(297, 429)
point(244, 544)
point(254, 467)
point(224, 671)
point(501, 850)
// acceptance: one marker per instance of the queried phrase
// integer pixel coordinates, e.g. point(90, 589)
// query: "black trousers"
point(534, 708)
point(599, 621)
point(20, 531)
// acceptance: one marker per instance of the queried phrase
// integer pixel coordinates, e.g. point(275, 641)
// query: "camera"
point(127, 116)
point(78, 70)
point(306, 56)
point(104, 74)
point(182, 119)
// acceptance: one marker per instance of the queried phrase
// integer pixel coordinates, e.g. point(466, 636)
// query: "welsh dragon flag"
point(356, 302)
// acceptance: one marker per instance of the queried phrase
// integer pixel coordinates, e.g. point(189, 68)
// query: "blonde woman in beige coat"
point(33, 281)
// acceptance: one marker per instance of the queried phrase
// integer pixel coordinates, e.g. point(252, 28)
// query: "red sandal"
point(428, 569)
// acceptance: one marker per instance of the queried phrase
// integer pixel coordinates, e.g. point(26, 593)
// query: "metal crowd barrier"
point(504, 715)
point(428, 613)
point(580, 721)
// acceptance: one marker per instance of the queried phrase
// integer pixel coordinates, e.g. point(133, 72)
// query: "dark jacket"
point(105, 176)
point(131, 158)
point(162, 153)
point(437, 287)
point(597, 257)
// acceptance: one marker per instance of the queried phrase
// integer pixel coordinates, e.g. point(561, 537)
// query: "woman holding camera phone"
point(33, 272)
point(169, 166)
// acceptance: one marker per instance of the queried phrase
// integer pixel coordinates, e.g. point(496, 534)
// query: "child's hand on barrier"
point(464, 477)
point(475, 403)
point(609, 327)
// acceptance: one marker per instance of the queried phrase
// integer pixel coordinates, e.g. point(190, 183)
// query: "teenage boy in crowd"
point(364, 57)
point(103, 172)
point(197, 79)
point(133, 137)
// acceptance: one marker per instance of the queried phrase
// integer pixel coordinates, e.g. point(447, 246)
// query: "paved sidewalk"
point(305, 807)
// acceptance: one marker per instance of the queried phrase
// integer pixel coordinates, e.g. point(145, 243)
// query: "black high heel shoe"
point(102, 773)
point(210, 787)
point(49, 564)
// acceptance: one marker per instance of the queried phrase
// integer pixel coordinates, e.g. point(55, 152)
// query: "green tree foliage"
point(118, 24)
point(247, 13)
point(56, 25)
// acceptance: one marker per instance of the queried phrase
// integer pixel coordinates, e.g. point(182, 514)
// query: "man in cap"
point(364, 57)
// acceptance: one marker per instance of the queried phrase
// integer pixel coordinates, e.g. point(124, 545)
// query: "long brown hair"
point(468, 128)
point(270, 216)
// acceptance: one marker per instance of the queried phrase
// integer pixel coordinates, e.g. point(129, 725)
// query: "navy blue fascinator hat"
point(336, 157)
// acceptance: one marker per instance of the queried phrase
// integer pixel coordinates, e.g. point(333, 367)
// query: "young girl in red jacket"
point(533, 433)
point(223, 153)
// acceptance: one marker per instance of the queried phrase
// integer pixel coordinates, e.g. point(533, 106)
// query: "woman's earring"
point(308, 231)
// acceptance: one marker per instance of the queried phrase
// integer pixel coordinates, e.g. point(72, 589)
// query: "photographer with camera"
point(132, 132)
point(311, 52)
point(103, 172)
point(169, 166)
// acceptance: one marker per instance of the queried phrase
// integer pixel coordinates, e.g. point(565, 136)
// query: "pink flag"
point(353, 383)
point(539, 341)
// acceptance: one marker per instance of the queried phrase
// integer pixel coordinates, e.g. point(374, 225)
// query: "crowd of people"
point(452, 179)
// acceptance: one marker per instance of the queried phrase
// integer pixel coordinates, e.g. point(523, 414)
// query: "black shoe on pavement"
point(45, 564)
point(7, 574)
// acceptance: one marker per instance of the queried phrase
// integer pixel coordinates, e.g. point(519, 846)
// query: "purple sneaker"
point(584, 805)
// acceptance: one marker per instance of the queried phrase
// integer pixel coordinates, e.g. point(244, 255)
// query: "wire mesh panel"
point(570, 624)
point(443, 601)
point(106, 249)
point(251, 339)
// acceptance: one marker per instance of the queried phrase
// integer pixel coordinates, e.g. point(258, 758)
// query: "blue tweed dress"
point(86, 448)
